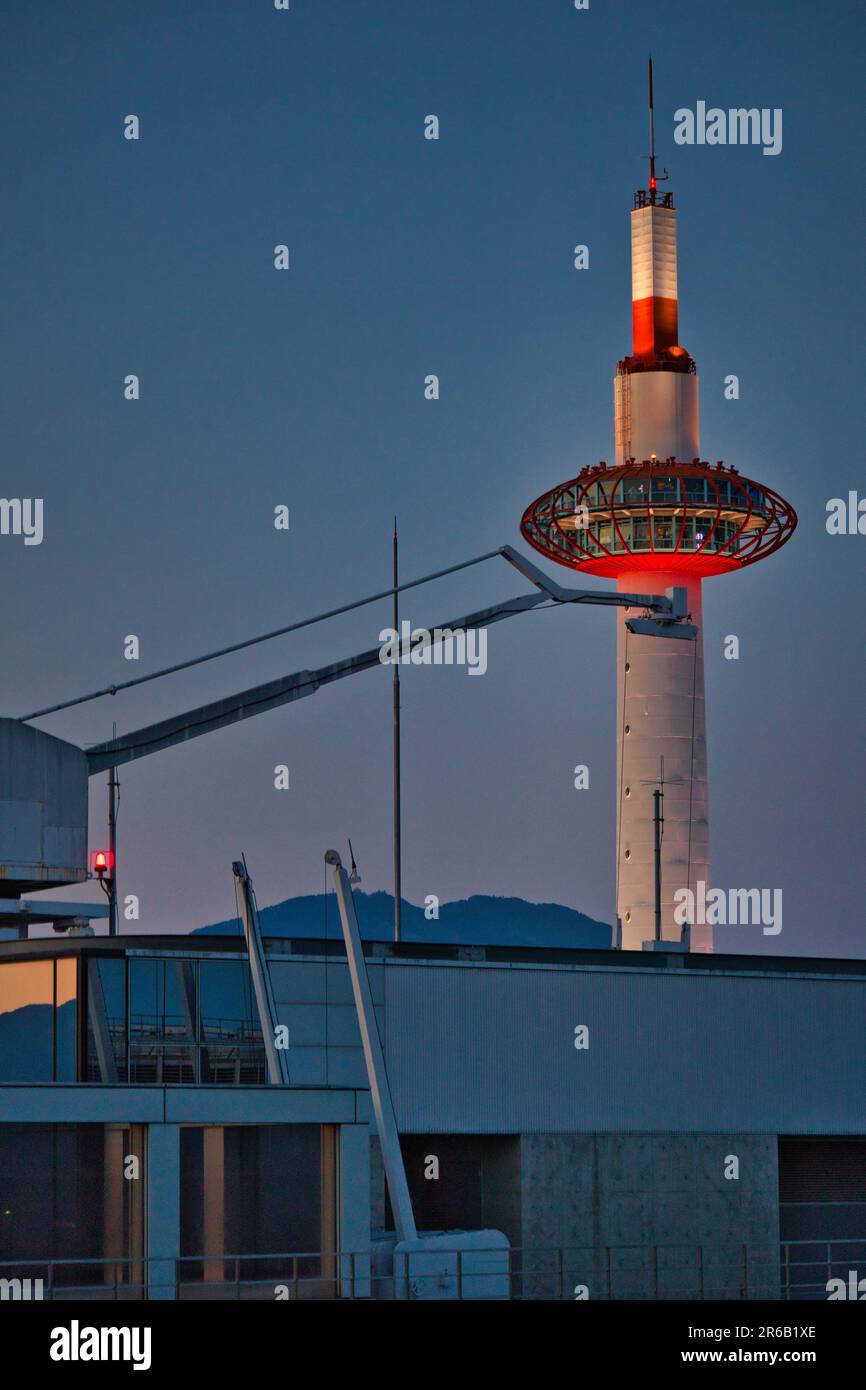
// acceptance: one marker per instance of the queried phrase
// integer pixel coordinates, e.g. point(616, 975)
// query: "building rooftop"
point(201, 944)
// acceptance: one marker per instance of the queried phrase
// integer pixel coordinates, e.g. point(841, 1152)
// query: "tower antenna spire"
point(652, 128)
point(653, 180)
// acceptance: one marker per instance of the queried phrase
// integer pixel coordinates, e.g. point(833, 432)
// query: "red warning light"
point(101, 862)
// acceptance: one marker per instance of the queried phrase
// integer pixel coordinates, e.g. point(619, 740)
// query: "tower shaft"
point(660, 701)
point(661, 719)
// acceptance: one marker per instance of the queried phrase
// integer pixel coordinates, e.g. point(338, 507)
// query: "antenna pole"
point(395, 687)
point(112, 845)
point(652, 131)
point(657, 821)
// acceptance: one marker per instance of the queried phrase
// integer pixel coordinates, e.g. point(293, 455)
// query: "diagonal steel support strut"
point(261, 698)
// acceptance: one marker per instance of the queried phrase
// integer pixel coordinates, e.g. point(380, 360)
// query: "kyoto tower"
point(660, 516)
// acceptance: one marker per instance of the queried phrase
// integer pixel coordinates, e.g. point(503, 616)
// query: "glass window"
point(106, 1019)
point(231, 1036)
point(179, 1022)
point(38, 1020)
point(27, 1021)
point(142, 1021)
point(695, 489)
point(633, 490)
point(663, 533)
point(65, 1019)
point(603, 534)
point(252, 1191)
point(64, 1197)
point(162, 1021)
point(587, 539)
point(664, 490)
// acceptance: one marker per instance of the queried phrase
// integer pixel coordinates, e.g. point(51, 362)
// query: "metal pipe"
point(277, 1059)
point(658, 821)
point(112, 849)
point(374, 1057)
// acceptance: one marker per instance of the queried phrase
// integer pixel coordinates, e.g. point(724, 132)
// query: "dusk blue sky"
point(411, 257)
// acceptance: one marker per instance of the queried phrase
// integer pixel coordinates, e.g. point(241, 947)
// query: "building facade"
point(638, 1125)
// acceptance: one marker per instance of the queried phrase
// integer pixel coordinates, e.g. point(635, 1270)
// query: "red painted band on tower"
point(654, 325)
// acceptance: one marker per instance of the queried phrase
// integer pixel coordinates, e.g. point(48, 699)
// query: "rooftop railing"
point(795, 1270)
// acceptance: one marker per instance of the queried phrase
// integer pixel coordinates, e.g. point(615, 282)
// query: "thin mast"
point(395, 687)
point(112, 844)
point(652, 157)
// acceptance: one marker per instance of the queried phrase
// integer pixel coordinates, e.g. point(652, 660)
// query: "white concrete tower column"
point(660, 714)
point(660, 682)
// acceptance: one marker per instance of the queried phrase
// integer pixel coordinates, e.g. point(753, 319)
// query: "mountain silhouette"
point(476, 921)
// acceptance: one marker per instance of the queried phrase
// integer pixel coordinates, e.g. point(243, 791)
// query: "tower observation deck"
point(660, 516)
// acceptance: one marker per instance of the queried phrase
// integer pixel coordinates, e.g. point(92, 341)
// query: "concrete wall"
point(634, 1216)
point(637, 1192)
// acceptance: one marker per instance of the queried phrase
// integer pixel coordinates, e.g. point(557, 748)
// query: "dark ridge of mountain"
point(476, 921)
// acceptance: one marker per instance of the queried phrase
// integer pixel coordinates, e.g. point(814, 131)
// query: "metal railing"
point(156, 1050)
point(794, 1270)
point(809, 1267)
